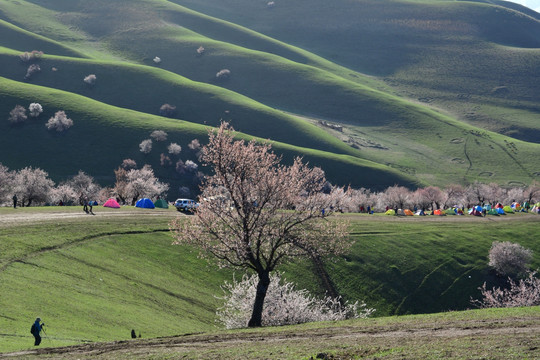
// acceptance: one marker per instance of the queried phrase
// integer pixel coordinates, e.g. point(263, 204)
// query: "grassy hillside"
point(94, 278)
point(430, 111)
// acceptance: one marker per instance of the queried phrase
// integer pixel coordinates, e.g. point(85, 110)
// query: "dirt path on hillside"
point(453, 330)
point(20, 217)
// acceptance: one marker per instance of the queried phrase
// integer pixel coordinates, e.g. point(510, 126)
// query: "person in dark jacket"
point(36, 330)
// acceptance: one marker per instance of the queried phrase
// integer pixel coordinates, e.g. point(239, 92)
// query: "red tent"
point(112, 203)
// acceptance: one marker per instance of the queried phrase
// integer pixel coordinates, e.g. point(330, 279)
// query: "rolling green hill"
point(426, 92)
point(94, 278)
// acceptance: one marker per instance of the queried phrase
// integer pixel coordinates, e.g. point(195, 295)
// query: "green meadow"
point(94, 278)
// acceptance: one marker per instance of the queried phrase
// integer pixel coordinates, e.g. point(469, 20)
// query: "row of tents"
point(144, 203)
point(478, 210)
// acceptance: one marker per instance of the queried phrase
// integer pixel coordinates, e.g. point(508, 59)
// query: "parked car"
point(186, 205)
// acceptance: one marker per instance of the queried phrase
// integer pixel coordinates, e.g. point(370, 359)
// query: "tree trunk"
point(262, 288)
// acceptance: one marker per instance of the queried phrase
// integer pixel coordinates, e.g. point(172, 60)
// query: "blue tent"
point(145, 203)
point(500, 211)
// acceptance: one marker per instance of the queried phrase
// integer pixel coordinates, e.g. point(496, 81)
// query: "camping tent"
point(390, 212)
point(145, 203)
point(508, 209)
point(420, 213)
point(93, 203)
point(500, 211)
point(499, 206)
point(408, 212)
point(439, 213)
point(161, 203)
point(112, 203)
point(450, 212)
point(493, 212)
point(474, 211)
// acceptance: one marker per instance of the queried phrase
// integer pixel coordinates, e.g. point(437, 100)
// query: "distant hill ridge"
point(424, 92)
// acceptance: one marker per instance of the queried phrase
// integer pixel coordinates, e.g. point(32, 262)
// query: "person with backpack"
point(35, 330)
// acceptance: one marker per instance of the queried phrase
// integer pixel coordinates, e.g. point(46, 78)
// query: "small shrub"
point(59, 122)
point(32, 69)
point(174, 149)
point(526, 292)
point(17, 115)
point(35, 109)
point(223, 74)
point(90, 79)
point(146, 146)
point(158, 135)
point(283, 305)
point(509, 259)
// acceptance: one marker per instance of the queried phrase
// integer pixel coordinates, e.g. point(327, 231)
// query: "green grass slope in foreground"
point(94, 278)
point(498, 334)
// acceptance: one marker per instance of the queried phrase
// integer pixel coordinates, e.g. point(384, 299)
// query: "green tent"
point(390, 212)
point(508, 209)
point(493, 212)
point(449, 212)
point(160, 203)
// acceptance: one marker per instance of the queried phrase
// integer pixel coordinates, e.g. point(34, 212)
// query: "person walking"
point(37, 326)
point(15, 201)
point(85, 205)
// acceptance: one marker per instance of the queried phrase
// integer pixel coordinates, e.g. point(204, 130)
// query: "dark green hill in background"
point(423, 92)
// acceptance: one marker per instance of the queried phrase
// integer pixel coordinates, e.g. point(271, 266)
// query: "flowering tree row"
point(32, 186)
point(431, 197)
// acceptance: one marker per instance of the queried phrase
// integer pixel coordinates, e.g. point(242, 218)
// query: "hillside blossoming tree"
point(32, 185)
point(90, 79)
point(141, 183)
point(17, 115)
point(146, 146)
point(284, 304)
point(525, 292)
point(508, 258)
point(84, 186)
point(32, 69)
point(167, 110)
point(59, 122)
point(35, 109)
point(223, 74)
point(258, 213)
point(174, 149)
point(158, 135)
point(6, 182)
